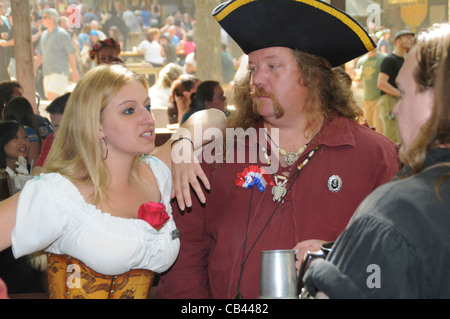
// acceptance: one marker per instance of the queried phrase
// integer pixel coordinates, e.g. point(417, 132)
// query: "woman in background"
point(19, 109)
point(13, 144)
point(209, 94)
point(18, 274)
point(105, 52)
point(160, 92)
point(181, 90)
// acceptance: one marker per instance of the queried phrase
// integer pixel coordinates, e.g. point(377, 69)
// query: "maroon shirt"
point(45, 149)
point(213, 236)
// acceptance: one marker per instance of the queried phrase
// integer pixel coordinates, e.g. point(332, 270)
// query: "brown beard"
point(260, 92)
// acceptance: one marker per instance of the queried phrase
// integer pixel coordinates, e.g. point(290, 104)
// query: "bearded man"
point(315, 162)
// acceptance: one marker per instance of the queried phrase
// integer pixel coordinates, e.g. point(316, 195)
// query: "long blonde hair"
point(77, 153)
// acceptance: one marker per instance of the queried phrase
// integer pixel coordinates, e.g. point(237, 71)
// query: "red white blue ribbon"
point(251, 176)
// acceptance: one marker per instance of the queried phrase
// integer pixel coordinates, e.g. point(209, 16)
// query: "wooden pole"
point(23, 49)
point(208, 50)
point(340, 4)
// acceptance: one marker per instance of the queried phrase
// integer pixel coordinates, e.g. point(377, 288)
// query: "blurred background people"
point(181, 91)
point(18, 274)
point(10, 89)
point(106, 52)
point(160, 92)
point(390, 94)
point(55, 110)
point(56, 52)
point(383, 44)
point(13, 143)
point(151, 49)
point(19, 109)
point(209, 94)
point(367, 70)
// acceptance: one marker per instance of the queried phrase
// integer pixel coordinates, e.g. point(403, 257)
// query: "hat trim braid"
point(357, 29)
point(233, 6)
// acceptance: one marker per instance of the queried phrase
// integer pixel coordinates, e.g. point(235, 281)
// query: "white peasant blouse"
point(52, 215)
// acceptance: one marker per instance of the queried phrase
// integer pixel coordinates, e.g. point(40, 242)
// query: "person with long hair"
point(209, 94)
point(19, 109)
point(114, 33)
point(13, 143)
point(102, 203)
point(181, 91)
point(105, 52)
point(160, 92)
point(18, 274)
point(8, 90)
point(396, 245)
point(11, 89)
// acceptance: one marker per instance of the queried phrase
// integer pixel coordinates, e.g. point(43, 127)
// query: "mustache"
point(261, 92)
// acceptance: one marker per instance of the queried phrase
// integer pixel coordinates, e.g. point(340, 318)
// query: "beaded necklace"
point(279, 190)
point(289, 157)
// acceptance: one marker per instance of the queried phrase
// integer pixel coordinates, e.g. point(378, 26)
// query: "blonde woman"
point(160, 92)
point(102, 205)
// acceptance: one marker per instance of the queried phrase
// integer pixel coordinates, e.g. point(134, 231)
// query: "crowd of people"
point(377, 72)
point(92, 189)
point(70, 52)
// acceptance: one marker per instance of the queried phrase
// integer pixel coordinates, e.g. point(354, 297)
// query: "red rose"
point(154, 213)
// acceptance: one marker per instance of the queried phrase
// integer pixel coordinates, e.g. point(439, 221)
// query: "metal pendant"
point(334, 183)
point(279, 190)
point(290, 158)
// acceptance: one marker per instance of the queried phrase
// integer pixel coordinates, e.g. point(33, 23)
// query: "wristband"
point(182, 138)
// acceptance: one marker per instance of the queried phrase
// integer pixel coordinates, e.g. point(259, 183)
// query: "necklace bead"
point(289, 158)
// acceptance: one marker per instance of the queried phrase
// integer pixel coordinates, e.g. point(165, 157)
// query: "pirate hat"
point(311, 26)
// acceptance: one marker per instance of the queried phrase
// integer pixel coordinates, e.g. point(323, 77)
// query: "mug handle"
point(325, 249)
point(307, 259)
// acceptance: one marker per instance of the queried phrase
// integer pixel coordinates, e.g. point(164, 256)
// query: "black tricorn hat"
point(311, 26)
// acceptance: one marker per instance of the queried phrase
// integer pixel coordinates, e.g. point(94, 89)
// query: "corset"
point(69, 278)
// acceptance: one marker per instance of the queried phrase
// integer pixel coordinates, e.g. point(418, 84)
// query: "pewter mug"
point(278, 275)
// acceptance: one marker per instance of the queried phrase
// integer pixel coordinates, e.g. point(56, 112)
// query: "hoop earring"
point(106, 147)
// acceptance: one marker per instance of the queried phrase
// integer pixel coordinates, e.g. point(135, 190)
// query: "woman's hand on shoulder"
point(187, 175)
point(186, 171)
